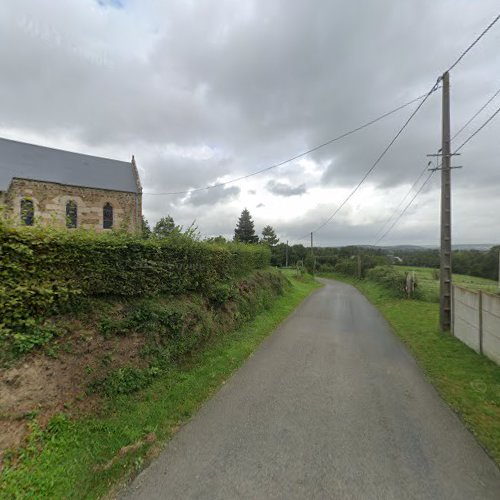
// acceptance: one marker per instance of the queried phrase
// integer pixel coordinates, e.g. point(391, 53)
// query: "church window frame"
point(107, 216)
point(71, 214)
point(27, 211)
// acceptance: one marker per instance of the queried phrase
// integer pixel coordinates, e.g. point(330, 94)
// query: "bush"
point(174, 329)
point(348, 267)
point(42, 270)
point(392, 279)
point(126, 380)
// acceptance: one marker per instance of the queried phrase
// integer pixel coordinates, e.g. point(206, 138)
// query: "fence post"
point(480, 322)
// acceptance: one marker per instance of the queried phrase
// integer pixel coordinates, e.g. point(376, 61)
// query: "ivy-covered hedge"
point(42, 269)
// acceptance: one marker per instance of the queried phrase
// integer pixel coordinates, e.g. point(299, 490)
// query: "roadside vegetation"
point(428, 282)
point(83, 457)
point(468, 382)
point(109, 342)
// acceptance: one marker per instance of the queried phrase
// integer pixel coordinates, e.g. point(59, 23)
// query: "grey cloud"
point(213, 196)
point(258, 83)
point(282, 189)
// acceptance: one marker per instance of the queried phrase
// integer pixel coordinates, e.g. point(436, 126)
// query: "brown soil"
point(43, 386)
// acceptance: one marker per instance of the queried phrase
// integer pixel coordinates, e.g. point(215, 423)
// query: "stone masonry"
point(50, 199)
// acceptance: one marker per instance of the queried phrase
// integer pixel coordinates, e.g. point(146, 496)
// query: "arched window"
point(27, 211)
point(107, 216)
point(71, 214)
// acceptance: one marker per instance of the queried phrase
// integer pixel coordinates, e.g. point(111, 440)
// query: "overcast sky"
point(204, 92)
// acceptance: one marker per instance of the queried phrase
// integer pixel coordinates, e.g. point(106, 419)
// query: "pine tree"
point(269, 236)
point(244, 231)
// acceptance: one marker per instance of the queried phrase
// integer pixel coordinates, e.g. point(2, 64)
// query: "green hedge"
point(42, 269)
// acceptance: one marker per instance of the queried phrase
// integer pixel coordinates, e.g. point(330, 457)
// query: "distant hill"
point(484, 247)
point(475, 246)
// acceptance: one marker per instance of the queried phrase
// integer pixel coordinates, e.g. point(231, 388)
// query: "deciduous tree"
point(165, 227)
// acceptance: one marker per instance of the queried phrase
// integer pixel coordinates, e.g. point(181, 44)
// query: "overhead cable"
point(297, 156)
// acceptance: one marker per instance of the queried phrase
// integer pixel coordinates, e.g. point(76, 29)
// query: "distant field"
point(430, 286)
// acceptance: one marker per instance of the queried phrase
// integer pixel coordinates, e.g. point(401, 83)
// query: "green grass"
point(468, 382)
point(82, 459)
point(428, 282)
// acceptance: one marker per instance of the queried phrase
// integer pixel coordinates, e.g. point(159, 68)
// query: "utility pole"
point(445, 260)
point(312, 252)
point(286, 254)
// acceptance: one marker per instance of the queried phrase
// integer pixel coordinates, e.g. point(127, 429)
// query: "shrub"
point(174, 329)
point(348, 267)
point(41, 269)
point(390, 278)
point(126, 380)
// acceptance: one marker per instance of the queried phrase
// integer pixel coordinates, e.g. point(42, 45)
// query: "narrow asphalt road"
point(331, 405)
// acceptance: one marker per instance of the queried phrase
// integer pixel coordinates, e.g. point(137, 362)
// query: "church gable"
point(43, 185)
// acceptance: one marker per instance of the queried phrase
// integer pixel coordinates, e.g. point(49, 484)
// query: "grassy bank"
point(84, 458)
point(468, 382)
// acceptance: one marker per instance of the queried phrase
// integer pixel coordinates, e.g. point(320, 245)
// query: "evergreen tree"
point(244, 231)
point(269, 236)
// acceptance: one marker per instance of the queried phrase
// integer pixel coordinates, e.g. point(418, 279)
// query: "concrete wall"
point(491, 326)
point(476, 321)
point(466, 318)
point(50, 200)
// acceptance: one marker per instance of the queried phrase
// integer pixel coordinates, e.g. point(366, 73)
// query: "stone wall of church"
point(50, 199)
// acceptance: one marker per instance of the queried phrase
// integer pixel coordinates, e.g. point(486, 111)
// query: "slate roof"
point(28, 161)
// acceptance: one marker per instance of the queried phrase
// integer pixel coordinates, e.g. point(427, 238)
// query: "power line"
point(478, 130)
point(433, 89)
point(299, 155)
point(428, 164)
point(388, 221)
point(377, 161)
point(476, 114)
point(466, 51)
point(432, 172)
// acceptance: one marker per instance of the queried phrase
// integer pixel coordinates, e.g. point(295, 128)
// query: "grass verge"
point(86, 458)
point(468, 382)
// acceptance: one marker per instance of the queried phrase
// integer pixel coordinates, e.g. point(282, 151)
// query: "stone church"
point(51, 186)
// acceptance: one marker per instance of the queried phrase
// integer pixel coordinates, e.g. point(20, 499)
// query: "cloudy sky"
point(205, 92)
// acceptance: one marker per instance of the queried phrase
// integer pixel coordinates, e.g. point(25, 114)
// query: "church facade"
point(40, 185)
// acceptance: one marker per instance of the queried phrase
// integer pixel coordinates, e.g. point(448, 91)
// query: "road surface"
point(331, 405)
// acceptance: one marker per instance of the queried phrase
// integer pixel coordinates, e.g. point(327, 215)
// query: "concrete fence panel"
point(491, 326)
point(466, 317)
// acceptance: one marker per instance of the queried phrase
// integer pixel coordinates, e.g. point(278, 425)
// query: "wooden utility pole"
point(286, 254)
point(445, 260)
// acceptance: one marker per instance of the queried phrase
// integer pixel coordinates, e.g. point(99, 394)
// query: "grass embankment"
point(87, 457)
point(428, 282)
point(468, 382)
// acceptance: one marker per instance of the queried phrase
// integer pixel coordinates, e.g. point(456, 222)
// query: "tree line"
point(354, 260)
